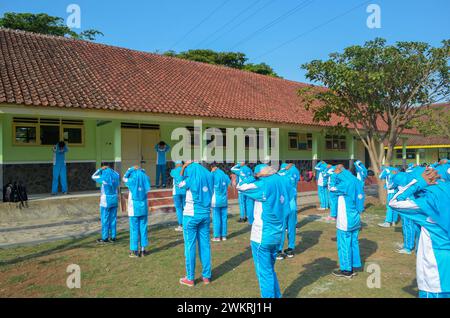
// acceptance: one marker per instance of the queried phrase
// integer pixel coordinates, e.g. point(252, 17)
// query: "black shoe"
point(133, 254)
point(113, 240)
point(334, 239)
point(245, 219)
point(143, 253)
point(289, 253)
point(281, 256)
point(101, 241)
point(346, 274)
point(241, 220)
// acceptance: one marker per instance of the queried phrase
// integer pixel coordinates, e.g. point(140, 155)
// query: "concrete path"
point(36, 230)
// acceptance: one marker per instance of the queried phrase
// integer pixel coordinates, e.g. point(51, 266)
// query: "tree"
point(236, 60)
point(433, 121)
point(376, 88)
point(44, 24)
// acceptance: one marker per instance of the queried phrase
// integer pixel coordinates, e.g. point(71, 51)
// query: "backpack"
point(13, 192)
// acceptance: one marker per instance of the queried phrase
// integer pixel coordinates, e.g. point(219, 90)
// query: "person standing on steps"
point(59, 168)
point(161, 150)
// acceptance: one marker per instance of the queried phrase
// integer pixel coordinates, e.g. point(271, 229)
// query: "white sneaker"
point(224, 238)
point(404, 251)
point(179, 229)
point(321, 209)
point(385, 224)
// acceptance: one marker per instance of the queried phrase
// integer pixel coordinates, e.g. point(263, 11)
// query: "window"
point(25, 134)
point(410, 153)
point(195, 136)
point(300, 141)
point(335, 142)
point(444, 153)
point(212, 135)
point(73, 135)
point(47, 131)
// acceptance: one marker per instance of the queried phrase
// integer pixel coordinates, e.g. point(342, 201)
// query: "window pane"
point(293, 143)
point(73, 135)
point(329, 144)
point(309, 144)
point(49, 135)
point(343, 145)
point(26, 135)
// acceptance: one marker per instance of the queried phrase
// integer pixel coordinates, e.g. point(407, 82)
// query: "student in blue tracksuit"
point(244, 175)
point(426, 200)
point(138, 184)
point(291, 173)
point(178, 194)
point(322, 184)
point(443, 169)
point(109, 201)
point(410, 230)
point(348, 223)
point(361, 171)
point(161, 149)
point(272, 204)
point(219, 203)
point(387, 173)
point(332, 196)
point(59, 167)
point(198, 183)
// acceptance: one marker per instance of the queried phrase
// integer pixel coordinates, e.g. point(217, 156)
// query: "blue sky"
point(319, 25)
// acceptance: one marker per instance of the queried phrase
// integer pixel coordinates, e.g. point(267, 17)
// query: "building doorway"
point(138, 142)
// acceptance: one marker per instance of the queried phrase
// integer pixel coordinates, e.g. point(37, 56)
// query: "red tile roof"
point(43, 70)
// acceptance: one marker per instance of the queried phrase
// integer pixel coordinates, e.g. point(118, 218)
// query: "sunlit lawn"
point(40, 271)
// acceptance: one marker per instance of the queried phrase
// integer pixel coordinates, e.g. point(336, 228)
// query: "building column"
point(314, 150)
point(117, 145)
point(98, 146)
point(352, 152)
point(404, 153)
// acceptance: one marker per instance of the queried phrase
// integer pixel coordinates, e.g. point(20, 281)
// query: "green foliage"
point(230, 59)
point(433, 121)
point(377, 87)
point(44, 24)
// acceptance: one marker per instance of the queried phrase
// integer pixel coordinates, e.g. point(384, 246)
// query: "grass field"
point(106, 271)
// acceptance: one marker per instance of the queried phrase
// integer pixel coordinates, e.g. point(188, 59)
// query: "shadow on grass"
point(308, 219)
point(307, 240)
point(412, 288)
point(367, 248)
point(312, 272)
point(231, 263)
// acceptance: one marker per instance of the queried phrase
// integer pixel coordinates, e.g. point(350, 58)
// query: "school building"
point(112, 105)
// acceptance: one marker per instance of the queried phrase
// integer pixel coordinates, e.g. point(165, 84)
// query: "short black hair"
point(61, 144)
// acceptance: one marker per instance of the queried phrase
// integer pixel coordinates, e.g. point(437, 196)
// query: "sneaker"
point(143, 253)
point(346, 274)
point(404, 251)
point(289, 253)
point(329, 218)
point(215, 239)
point(281, 256)
point(245, 219)
point(241, 220)
point(385, 224)
point(179, 228)
point(224, 238)
point(187, 282)
point(321, 209)
point(113, 240)
point(101, 241)
point(66, 193)
point(133, 254)
point(206, 281)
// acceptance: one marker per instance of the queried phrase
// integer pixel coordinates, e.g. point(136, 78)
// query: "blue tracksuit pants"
point(290, 223)
point(264, 257)
point(424, 294)
point(410, 233)
point(160, 174)
point(138, 232)
point(196, 229)
point(348, 250)
point(220, 218)
point(108, 217)
point(323, 196)
point(179, 200)
point(59, 174)
point(333, 205)
point(391, 215)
